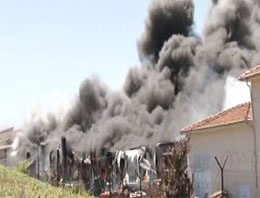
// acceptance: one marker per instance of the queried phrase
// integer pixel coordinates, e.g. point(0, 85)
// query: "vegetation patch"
point(14, 183)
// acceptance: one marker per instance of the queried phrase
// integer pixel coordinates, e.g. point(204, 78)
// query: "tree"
point(175, 181)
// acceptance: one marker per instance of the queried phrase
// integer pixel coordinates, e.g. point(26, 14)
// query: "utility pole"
point(222, 172)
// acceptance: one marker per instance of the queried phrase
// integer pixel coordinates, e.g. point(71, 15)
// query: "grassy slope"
point(16, 184)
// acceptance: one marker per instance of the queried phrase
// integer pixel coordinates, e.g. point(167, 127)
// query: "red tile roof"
point(250, 73)
point(235, 114)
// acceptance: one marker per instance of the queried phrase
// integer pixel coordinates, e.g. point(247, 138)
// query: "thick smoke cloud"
point(178, 54)
point(165, 19)
point(228, 41)
point(89, 105)
point(180, 80)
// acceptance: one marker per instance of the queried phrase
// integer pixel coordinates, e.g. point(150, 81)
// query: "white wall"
point(255, 99)
point(235, 142)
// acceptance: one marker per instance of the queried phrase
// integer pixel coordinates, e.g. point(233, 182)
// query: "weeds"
point(15, 184)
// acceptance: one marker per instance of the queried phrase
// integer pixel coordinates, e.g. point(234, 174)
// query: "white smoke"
point(55, 103)
point(236, 92)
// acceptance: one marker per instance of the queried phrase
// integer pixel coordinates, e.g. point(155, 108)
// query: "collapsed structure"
point(123, 170)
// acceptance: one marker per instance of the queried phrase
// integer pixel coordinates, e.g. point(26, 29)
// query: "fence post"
point(222, 172)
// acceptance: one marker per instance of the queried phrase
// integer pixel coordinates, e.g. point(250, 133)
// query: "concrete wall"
point(255, 98)
point(235, 141)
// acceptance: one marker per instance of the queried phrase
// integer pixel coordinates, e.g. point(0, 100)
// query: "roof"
point(7, 130)
point(250, 73)
point(7, 136)
point(5, 147)
point(233, 115)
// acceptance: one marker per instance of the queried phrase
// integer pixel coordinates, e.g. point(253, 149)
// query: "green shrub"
point(22, 167)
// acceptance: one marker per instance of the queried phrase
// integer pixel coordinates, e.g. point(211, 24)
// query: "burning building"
point(180, 80)
point(171, 89)
point(119, 172)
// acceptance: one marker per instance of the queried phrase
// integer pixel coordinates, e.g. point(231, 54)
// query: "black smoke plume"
point(165, 19)
point(180, 80)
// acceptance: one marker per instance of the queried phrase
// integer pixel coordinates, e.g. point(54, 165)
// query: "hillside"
point(17, 184)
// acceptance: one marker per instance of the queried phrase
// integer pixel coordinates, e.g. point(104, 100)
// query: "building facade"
point(232, 135)
point(7, 137)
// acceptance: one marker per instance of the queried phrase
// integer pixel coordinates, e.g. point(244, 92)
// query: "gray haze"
point(180, 80)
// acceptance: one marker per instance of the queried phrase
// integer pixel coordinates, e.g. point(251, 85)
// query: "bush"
point(22, 167)
point(175, 182)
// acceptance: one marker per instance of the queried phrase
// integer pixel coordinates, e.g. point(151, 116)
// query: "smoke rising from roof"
point(181, 80)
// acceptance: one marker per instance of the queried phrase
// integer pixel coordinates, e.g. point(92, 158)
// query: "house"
point(232, 135)
point(7, 137)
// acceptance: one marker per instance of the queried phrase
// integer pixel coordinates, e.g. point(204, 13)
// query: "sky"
point(47, 48)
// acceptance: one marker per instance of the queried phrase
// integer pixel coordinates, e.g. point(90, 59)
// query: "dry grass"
point(16, 184)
